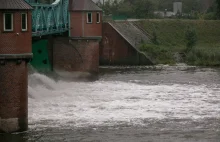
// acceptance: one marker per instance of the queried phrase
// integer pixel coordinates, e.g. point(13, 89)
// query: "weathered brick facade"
point(10, 42)
point(15, 52)
point(76, 55)
point(13, 96)
point(80, 27)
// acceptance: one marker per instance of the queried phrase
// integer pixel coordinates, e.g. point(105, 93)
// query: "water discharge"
point(112, 102)
point(163, 103)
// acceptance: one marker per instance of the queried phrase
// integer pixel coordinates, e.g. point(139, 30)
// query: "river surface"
point(125, 104)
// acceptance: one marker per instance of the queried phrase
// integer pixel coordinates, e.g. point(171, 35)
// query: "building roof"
point(83, 5)
point(14, 4)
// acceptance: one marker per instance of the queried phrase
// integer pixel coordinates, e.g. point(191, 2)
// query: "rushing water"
point(126, 104)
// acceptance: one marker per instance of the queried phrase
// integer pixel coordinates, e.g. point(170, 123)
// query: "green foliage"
point(143, 9)
point(204, 57)
point(154, 38)
point(218, 9)
point(128, 8)
point(161, 55)
point(191, 38)
point(171, 37)
point(210, 16)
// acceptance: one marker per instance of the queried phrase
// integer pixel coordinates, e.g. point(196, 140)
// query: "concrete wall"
point(76, 55)
point(10, 42)
point(115, 50)
point(80, 27)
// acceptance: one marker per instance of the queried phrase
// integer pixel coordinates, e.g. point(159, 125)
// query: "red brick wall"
point(13, 93)
point(79, 55)
point(10, 42)
point(13, 75)
point(114, 49)
point(80, 27)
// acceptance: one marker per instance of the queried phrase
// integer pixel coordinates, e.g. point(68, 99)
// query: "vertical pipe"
point(83, 23)
point(70, 24)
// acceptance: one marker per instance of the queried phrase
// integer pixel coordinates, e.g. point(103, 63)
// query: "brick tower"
point(80, 52)
point(15, 52)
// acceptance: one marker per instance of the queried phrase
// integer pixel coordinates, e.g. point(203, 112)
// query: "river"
point(125, 104)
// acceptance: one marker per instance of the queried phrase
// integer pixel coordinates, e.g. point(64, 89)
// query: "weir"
point(62, 35)
point(38, 24)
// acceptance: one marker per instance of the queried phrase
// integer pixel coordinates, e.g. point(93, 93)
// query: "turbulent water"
point(126, 104)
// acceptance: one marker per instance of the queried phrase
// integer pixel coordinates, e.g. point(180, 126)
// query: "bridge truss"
point(49, 18)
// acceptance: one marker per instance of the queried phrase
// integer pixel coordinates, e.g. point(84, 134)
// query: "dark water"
point(126, 104)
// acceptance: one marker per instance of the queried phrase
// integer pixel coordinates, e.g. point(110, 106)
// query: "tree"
point(218, 9)
point(126, 9)
point(143, 9)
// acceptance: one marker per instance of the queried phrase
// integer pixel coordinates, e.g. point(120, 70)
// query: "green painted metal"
point(49, 18)
point(40, 59)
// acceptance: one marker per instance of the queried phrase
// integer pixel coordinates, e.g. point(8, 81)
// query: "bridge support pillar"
point(13, 92)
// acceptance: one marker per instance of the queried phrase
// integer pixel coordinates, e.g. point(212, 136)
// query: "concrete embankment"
point(121, 43)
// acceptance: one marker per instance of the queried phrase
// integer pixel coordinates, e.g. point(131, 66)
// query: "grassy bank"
point(168, 40)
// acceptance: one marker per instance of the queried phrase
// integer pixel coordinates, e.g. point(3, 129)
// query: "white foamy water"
point(104, 103)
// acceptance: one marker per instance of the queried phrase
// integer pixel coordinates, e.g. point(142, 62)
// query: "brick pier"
point(15, 53)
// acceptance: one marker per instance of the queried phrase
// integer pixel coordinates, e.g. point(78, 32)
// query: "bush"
point(210, 16)
point(161, 55)
point(191, 38)
point(154, 38)
point(203, 57)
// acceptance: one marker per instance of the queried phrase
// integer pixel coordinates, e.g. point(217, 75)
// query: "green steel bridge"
point(49, 17)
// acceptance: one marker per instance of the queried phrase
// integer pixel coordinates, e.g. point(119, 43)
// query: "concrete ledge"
point(87, 38)
point(16, 56)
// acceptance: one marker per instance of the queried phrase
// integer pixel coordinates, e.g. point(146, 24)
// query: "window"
point(89, 17)
point(98, 17)
point(8, 22)
point(24, 21)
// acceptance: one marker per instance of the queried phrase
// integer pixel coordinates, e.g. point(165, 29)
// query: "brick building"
point(15, 52)
point(80, 52)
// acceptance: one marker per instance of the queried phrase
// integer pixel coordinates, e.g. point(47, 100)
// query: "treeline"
point(145, 8)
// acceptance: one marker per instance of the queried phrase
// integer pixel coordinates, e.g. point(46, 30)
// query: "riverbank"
point(168, 41)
